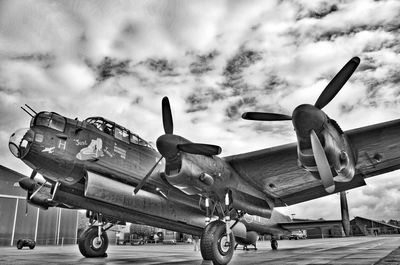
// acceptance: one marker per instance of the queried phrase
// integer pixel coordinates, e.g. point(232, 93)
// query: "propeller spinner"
point(308, 119)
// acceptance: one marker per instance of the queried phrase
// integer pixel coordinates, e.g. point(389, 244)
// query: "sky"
point(214, 60)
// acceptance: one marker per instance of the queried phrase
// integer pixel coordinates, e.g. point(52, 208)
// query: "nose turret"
point(20, 141)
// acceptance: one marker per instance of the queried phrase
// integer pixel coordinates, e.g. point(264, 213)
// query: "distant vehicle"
point(138, 241)
point(297, 236)
point(169, 241)
point(26, 243)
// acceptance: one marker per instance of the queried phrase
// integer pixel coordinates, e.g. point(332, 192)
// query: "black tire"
point(20, 244)
point(213, 246)
point(32, 246)
point(88, 243)
point(274, 244)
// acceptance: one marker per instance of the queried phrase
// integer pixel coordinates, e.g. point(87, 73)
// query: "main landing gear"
point(93, 242)
point(216, 245)
point(217, 241)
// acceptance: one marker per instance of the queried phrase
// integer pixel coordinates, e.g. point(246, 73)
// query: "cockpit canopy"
point(49, 119)
point(116, 131)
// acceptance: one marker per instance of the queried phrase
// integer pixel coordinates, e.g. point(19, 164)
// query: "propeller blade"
point(322, 163)
point(200, 149)
point(337, 83)
point(167, 116)
point(263, 116)
point(33, 174)
point(143, 181)
point(26, 202)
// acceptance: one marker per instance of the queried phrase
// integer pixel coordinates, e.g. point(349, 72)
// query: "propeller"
point(330, 91)
point(200, 149)
point(33, 174)
point(188, 147)
point(337, 83)
point(167, 116)
point(264, 116)
point(169, 145)
point(306, 118)
point(321, 160)
point(143, 181)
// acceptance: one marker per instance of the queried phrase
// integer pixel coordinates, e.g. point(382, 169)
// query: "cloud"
point(213, 59)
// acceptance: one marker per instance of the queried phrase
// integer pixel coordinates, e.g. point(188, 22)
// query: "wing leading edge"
point(275, 171)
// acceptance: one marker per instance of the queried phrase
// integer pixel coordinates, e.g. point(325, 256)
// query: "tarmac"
point(352, 250)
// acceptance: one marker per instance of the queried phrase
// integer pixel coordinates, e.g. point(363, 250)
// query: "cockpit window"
point(135, 139)
point(117, 131)
point(57, 123)
point(43, 119)
point(51, 120)
point(101, 125)
point(121, 134)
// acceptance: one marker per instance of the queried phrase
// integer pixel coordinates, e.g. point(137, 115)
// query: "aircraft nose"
point(20, 141)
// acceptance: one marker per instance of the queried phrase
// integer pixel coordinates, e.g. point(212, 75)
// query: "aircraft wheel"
point(274, 244)
point(214, 245)
point(90, 245)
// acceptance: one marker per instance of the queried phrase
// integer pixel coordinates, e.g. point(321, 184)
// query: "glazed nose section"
point(20, 141)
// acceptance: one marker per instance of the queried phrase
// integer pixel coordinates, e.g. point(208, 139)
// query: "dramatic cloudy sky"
point(214, 60)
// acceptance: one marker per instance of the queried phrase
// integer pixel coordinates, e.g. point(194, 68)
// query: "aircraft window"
point(57, 122)
point(108, 128)
point(134, 139)
point(51, 120)
point(43, 119)
point(121, 134)
point(101, 125)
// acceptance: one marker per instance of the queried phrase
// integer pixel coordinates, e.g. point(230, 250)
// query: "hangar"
point(55, 226)
point(361, 226)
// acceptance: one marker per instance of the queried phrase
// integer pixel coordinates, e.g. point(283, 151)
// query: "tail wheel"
point(274, 244)
point(91, 245)
point(214, 243)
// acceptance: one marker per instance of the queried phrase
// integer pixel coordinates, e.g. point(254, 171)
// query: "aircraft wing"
point(275, 170)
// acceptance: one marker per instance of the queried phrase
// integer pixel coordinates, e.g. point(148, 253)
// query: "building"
point(361, 226)
point(318, 228)
point(54, 226)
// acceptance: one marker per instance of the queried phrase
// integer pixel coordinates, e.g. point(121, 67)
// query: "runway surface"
point(355, 250)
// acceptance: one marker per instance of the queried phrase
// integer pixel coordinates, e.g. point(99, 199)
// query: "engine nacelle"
point(196, 174)
point(42, 199)
point(251, 204)
point(338, 151)
point(340, 156)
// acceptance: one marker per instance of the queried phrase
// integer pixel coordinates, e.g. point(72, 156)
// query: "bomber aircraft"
point(117, 176)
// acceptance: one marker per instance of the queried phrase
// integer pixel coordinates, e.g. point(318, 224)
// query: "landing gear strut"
point(217, 241)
